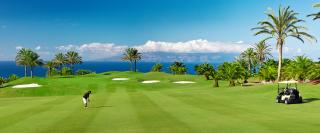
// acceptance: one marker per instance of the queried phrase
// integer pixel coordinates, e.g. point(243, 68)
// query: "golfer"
point(85, 98)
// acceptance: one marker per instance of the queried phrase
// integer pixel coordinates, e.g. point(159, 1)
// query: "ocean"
point(9, 67)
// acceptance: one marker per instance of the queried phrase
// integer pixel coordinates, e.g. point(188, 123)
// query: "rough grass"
point(130, 106)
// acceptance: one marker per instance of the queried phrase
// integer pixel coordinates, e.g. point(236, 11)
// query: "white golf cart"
point(288, 92)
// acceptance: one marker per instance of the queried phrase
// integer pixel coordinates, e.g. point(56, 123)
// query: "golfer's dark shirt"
point(86, 95)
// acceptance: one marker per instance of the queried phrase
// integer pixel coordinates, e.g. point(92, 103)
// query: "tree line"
point(62, 64)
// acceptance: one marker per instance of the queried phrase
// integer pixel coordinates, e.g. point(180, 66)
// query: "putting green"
point(129, 106)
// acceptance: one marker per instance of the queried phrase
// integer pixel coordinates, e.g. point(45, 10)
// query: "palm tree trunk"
point(249, 66)
point(25, 71)
point(207, 77)
point(60, 70)
point(72, 72)
point(232, 83)
point(49, 72)
point(279, 61)
point(135, 65)
point(31, 72)
point(131, 66)
point(216, 83)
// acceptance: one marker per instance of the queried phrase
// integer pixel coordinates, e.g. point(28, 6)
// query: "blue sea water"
point(9, 67)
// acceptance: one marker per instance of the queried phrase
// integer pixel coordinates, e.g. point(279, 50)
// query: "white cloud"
point(67, 47)
point(193, 46)
point(240, 42)
point(105, 50)
point(18, 47)
point(95, 50)
point(38, 48)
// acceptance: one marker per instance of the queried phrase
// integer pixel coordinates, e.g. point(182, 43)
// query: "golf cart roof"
point(288, 82)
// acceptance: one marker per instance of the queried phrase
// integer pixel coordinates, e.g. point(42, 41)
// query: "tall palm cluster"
point(257, 61)
point(30, 59)
point(64, 63)
point(280, 26)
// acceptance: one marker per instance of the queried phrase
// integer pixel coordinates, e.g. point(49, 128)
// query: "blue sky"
point(102, 28)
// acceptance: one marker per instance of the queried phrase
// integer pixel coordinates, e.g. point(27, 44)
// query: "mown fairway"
point(130, 106)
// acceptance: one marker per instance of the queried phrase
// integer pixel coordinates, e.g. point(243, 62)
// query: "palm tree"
point(314, 74)
point(73, 58)
point(178, 68)
point(280, 27)
point(263, 52)
point(205, 69)
point(50, 65)
point(315, 15)
point(132, 55)
point(230, 72)
point(268, 72)
point(22, 59)
point(299, 68)
point(156, 68)
point(249, 56)
point(33, 60)
point(28, 58)
point(60, 60)
point(216, 75)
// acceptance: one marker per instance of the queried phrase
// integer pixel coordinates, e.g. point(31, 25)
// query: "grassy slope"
point(129, 106)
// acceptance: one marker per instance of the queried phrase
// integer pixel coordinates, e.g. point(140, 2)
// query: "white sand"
point(150, 81)
point(184, 82)
point(33, 85)
point(120, 79)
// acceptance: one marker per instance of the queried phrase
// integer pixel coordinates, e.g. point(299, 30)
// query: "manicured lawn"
point(130, 106)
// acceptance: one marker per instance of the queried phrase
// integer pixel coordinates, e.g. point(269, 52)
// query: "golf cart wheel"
point(277, 100)
point(286, 101)
point(300, 99)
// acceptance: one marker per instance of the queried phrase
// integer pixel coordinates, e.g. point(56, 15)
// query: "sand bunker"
point(150, 81)
point(120, 79)
point(184, 82)
point(33, 85)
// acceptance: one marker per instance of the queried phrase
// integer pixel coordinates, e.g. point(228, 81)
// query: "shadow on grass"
point(65, 77)
point(309, 100)
point(101, 107)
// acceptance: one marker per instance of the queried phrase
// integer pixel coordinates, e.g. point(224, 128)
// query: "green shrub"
point(66, 71)
point(55, 72)
point(178, 68)
point(83, 72)
point(2, 81)
point(156, 68)
point(12, 77)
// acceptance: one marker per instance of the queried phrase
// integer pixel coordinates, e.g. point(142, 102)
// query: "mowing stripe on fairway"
point(79, 118)
point(17, 117)
point(41, 121)
point(154, 118)
point(211, 121)
point(118, 117)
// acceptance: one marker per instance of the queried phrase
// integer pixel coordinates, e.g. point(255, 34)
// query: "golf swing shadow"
point(101, 107)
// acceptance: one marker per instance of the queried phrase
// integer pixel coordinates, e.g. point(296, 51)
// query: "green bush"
point(2, 81)
point(66, 71)
point(55, 72)
point(156, 68)
point(12, 77)
point(83, 72)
